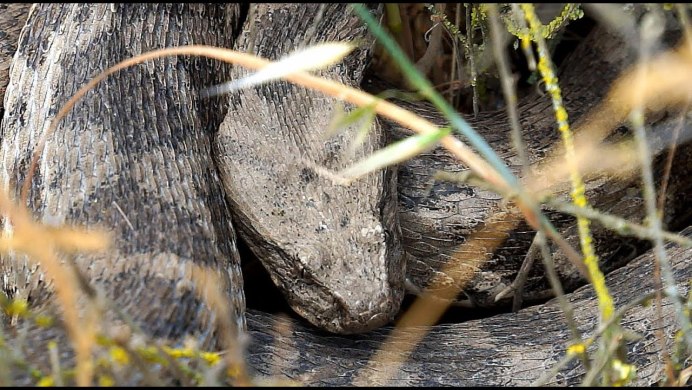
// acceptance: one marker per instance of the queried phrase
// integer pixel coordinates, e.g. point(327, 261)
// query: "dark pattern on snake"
point(156, 169)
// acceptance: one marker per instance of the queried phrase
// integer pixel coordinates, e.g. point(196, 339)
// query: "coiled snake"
point(167, 172)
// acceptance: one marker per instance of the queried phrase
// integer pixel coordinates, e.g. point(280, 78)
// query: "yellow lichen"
point(624, 373)
point(43, 321)
point(576, 349)
point(177, 353)
point(210, 357)
point(119, 355)
point(18, 307)
point(150, 354)
point(545, 67)
point(106, 381)
point(46, 381)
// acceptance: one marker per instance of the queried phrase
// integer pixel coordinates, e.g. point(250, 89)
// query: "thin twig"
point(454, 97)
point(471, 57)
point(599, 331)
point(609, 221)
point(517, 140)
point(649, 35)
point(545, 66)
point(612, 222)
point(434, 49)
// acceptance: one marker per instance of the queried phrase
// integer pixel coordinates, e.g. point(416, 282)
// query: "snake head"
point(334, 251)
point(335, 254)
point(348, 283)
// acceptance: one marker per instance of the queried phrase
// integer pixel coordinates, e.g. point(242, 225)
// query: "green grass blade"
point(395, 153)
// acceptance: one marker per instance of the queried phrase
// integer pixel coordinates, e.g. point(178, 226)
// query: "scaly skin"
point(149, 176)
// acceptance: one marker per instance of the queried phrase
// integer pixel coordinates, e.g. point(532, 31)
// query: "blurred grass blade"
point(395, 153)
point(315, 57)
point(342, 118)
point(362, 117)
point(426, 89)
point(495, 170)
point(362, 133)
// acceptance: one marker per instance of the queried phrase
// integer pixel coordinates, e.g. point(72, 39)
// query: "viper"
point(172, 175)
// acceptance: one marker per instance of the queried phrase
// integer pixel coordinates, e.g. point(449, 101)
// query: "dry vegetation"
point(462, 65)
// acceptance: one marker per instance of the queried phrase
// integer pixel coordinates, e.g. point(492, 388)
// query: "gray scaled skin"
point(132, 157)
point(333, 250)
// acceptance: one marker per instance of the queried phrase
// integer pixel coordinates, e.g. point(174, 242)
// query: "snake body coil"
point(168, 172)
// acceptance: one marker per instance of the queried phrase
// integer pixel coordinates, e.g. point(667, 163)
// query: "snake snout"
point(347, 303)
point(361, 316)
point(347, 291)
